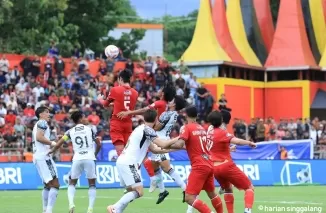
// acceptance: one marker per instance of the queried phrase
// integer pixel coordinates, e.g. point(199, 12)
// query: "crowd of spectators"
point(24, 88)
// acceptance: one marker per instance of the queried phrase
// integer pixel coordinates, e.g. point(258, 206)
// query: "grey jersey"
point(167, 120)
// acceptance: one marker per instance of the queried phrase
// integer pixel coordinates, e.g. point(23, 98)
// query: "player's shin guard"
point(126, 199)
point(149, 167)
point(201, 206)
point(177, 179)
point(71, 195)
point(45, 196)
point(249, 198)
point(217, 204)
point(53, 193)
point(91, 196)
point(229, 202)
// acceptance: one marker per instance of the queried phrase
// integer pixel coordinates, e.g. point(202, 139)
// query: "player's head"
point(150, 116)
point(167, 92)
point(43, 113)
point(191, 112)
point(124, 76)
point(178, 103)
point(78, 117)
point(215, 118)
point(226, 116)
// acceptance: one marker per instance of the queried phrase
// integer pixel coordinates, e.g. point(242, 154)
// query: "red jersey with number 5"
point(194, 136)
point(124, 98)
point(220, 140)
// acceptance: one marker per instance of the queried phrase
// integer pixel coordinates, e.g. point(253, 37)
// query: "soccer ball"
point(303, 176)
point(111, 51)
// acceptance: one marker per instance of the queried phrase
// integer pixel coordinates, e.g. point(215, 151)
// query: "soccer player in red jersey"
point(166, 95)
point(225, 170)
point(193, 137)
point(122, 97)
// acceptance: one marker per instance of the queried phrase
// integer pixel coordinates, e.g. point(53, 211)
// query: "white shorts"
point(129, 175)
point(79, 166)
point(46, 169)
point(160, 157)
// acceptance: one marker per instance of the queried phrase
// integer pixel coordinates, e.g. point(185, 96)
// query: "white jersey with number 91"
point(83, 139)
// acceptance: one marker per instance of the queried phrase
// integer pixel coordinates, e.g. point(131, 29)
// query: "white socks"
point(160, 183)
point(247, 210)
point(91, 197)
point(71, 195)
point(177, 179)
point(126, 199)
point(53, 193)
point(45, 196)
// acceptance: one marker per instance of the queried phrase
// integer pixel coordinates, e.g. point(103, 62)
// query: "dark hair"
point(226, 116)
point(125, 75)
point(169, 92)
point(150, 116)
point(40, 110)
point(76, 116)
point(215, 118)
point(191, 111)
point(180, 102)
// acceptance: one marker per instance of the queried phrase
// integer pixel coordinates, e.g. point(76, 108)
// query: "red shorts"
point(228, 174)
point(200, 178)
point(120, 132)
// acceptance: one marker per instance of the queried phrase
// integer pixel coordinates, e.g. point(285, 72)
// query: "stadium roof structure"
point(222, 32)
point(265, 22)
point(238, 34)
point(290, 45)
point(319, 23)
point(204, 45)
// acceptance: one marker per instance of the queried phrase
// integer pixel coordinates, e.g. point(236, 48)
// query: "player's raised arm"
point(239, 141)
point(40, 137)
point(124, 114)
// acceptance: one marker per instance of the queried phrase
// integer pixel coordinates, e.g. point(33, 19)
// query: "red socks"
point(217, 204)
point(249, 198)
point(229, 202)
point(149, 167)
point(201, 206)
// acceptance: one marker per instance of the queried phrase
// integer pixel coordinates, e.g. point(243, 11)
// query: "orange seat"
point(14, 158)
point(65, 158)
point(28, 157)
point(3, 158)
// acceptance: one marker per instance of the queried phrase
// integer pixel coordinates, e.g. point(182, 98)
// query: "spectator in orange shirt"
point(29, 111)
point(65, 101)
point(284, 153)
point(94, 119)
point(10, 118)
point(53, 98)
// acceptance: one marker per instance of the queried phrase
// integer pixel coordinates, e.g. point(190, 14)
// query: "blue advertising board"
point(261, 172)
point(297, 149)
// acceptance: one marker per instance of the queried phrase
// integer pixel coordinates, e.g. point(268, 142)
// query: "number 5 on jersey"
point(126, 105)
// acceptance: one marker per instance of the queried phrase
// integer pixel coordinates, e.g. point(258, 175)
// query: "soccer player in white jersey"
point(43, 161)
point(83, 139)
point(128, 164)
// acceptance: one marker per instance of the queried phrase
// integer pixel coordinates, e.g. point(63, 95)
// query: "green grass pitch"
point(267, 199)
